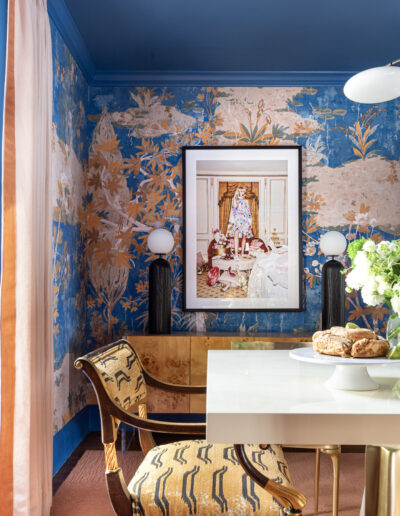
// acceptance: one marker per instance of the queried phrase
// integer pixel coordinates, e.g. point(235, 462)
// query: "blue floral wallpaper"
point(117, 169)
point(69, 164)
point(350, 183)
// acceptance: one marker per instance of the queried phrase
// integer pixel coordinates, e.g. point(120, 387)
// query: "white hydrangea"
point(362, 263)
point(371, 283)
point(355, 280)
point(383, 285)
point(369, 293)
point(373, 272)
point(382, 248)
point(369, 246)
point(396, 303)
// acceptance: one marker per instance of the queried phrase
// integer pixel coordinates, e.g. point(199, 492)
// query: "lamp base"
point(332, 295)
point(159, 297)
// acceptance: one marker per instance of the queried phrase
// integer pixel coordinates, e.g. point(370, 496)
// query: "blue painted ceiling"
point(233, 35)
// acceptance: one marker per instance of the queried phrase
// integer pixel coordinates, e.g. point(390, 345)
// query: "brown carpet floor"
point(84, 492)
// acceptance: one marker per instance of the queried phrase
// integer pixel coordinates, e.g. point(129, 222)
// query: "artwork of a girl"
point(240, 221)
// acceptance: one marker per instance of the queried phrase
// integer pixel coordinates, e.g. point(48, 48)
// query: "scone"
point(353, 334)
point(329, 344)
point(367, 348)
point(350, 343)
point(319, 334)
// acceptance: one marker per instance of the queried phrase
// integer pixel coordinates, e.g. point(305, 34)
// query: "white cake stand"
point(350, 374)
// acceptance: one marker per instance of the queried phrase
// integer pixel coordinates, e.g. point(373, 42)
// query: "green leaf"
point(246, 131)
point(394, 333)
point(254, 132)
point(395, 353)
point(354, 247)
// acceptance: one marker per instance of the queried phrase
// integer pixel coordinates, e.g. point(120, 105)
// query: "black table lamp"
point(333, 244)
point(160, 241)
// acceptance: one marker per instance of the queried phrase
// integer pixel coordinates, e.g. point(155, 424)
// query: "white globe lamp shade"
point(333, 243)
point(160, 241)
point(374, 85)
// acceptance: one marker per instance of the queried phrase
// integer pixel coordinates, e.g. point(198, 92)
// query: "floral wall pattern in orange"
point(69, 164)
point(350, 183)
point(118, 174)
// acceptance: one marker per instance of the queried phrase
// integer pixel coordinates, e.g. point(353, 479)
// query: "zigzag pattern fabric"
point(198, 478)
point(121, 373)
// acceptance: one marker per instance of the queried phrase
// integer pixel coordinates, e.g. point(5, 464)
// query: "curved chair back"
point(117, 376)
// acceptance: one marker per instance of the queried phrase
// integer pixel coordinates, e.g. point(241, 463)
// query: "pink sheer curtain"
point(26, 290)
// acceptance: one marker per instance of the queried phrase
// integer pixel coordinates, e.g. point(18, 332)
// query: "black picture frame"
point(227, 162)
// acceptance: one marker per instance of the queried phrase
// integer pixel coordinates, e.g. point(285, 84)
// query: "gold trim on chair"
point(291, 500)
point(111, 457)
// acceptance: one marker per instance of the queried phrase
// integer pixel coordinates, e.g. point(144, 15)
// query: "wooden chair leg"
point(334, 453)
point(316, 480)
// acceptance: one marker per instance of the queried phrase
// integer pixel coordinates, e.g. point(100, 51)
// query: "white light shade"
point(160, 241)
point(374, 85)
point(333, 243)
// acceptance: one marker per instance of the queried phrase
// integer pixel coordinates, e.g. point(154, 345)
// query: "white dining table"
point(265, 396)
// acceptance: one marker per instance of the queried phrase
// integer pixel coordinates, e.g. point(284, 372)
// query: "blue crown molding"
point(214, 78)
point(66, 26)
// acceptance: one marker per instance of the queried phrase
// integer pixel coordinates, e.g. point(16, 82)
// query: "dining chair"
point(186, 477)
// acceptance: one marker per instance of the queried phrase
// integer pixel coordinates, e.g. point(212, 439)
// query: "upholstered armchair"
point(185, 477)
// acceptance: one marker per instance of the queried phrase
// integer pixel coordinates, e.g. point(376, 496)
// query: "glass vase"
point(393, 335)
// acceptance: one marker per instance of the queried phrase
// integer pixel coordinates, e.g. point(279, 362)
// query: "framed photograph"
point(242, 228)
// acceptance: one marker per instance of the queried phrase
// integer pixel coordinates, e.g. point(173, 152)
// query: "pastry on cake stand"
point(350, 374)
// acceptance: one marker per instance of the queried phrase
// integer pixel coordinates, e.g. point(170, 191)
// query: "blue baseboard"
point(88, 420)
point(72, 434)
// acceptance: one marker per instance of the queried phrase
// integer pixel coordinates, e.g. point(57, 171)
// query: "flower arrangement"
point(375, 270)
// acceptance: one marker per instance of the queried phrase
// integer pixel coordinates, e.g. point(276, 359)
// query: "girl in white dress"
point(240, 220)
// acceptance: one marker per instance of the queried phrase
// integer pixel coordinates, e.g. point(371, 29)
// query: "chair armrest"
point(292, 500)
point(108, 407)
point(157, 426)
point(160, 384)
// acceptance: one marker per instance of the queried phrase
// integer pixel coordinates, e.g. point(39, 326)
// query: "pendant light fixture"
point(374, 85)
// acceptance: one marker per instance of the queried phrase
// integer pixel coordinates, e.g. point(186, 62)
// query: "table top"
point(265, 396)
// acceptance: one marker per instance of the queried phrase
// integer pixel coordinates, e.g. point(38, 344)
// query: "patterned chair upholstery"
point(185, 477)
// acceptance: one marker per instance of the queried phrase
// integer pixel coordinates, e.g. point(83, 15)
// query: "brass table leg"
point(382, 476)
point(334, 452)
point(316, 480)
